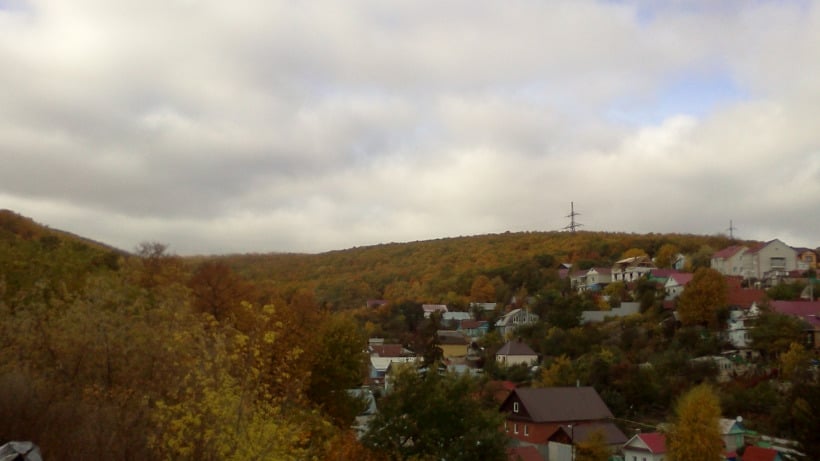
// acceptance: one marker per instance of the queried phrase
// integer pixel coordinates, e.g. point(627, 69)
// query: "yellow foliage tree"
point(794, 362)
point(230, 402)
point(695, 433)
point(560, 373)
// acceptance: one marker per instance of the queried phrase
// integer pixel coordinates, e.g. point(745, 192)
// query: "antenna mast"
point(572, 214)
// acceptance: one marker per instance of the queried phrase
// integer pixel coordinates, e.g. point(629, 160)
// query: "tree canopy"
point(433, 414)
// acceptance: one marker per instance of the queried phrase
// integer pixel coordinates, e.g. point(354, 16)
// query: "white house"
point(766, 261)
point(732, 432)
point(650, 446)
point(631, 269)
point(732, 261)
point(676, 283)
point(507, 324)
point(594, 278)
point(739, 324)
point(772, 260)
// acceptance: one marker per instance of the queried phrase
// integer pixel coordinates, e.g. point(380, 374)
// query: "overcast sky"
point(261, 126)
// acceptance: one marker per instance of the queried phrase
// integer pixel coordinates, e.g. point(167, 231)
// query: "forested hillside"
point(444, 270)
point(148, 355)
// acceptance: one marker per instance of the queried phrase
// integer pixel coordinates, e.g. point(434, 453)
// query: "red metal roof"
point(728, 252)
point(807, 310)
point(744, 297)
point(655, 441)
point(755, 453)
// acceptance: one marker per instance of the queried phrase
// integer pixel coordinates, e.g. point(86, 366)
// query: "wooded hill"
point(443, 270)
point(432, 271)
point(147, 355)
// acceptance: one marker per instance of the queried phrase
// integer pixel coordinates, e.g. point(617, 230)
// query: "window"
point(526, 430)
point(515, 428)
point(515, 407)
point(506, 427)
point(778, 263)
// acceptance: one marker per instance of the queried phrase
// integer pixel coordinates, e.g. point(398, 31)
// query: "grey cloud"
point(289, 126)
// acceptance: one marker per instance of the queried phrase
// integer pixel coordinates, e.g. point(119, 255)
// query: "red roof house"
point(650, 446)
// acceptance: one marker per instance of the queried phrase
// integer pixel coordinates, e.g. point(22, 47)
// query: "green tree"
point(435, 415)
point(695, 433)
point(774, 333)
point(338, 365)
point(702, 299)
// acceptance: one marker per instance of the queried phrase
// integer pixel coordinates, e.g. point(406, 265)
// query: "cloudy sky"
point(260, 126)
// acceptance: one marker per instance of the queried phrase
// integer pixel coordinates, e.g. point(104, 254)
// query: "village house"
point(554, 419)
point(675, 284)
point(474, 328)
point(430, 309)
point(808, 312)
point(767, 263)
point(631, 269)
point(593, 279)
point(453, 343)
point(514, 353)
point(807, 257)
point(649, 446)
point(507, 324)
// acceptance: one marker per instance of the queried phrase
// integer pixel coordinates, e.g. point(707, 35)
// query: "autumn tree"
point(157, 266)
point(593, 448)
point(435, 415)
point(695, 434)
point(560, 372)
point(666, 255)
point(794, 363)
point(702, 298)
point(633, 253)
point(218, 290)
point(482, 290)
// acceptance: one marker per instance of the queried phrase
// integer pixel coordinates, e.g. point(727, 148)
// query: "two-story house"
point(766, 262)
point(631, 269)
point(507, 324)
point(554, 419)
point(593, 279)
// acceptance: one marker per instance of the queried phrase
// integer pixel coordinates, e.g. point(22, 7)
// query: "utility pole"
point(572, 214)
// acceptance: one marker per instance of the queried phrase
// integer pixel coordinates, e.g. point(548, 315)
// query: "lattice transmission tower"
point(573, 224)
